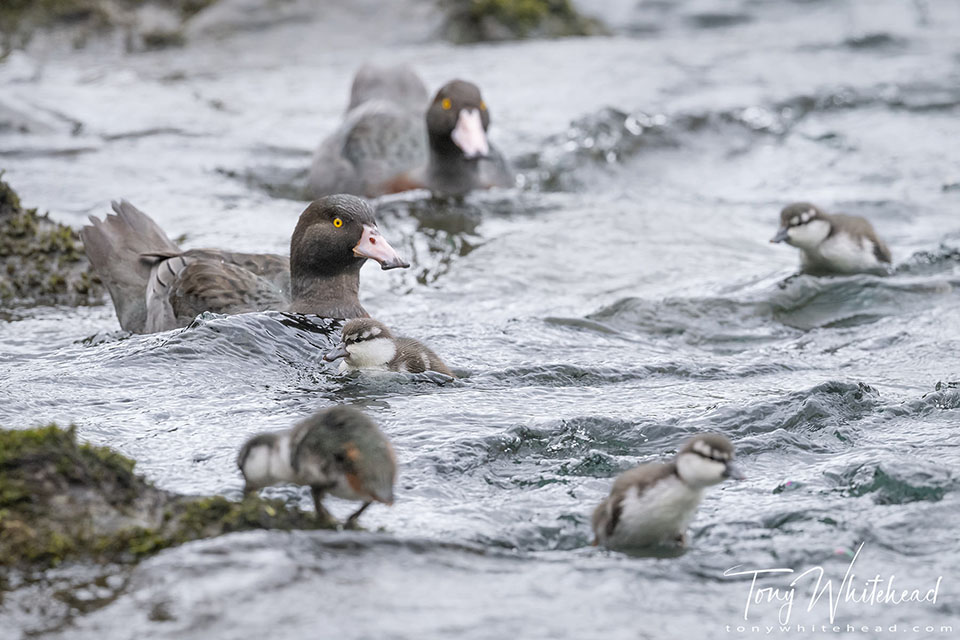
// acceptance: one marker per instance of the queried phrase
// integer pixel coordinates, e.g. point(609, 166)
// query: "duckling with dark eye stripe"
point(338, 451)
point(369, 344)
point(653, 503)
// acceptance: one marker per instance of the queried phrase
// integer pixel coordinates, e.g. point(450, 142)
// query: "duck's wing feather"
point(415, 357)
point(399, 84)
point(269, 266)
point(119, 248)
point(383, 142)
point(221, 287)
point(377, 142)
point(861, 226)
point(607, 515)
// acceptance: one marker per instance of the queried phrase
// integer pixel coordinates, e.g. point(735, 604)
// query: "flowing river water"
point(623, 297)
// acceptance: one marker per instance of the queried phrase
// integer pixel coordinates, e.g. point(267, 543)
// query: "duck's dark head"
point(336, 234)
point(457, 121)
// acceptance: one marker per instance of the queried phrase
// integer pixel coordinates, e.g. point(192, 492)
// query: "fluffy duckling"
point(368, 344)
point(832, 243)
point(338, 451)
point(653, 504)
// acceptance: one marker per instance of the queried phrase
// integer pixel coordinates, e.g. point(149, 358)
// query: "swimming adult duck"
point(385, 146)
point(156, 286)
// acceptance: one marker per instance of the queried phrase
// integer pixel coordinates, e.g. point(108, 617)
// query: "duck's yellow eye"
point(446, 104)
point(483, 106)
point(337, 222)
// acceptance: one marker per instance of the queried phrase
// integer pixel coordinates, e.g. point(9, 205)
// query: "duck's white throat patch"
point(809, 235)
point(698, 471)
point(268, 464)
point(370, 354)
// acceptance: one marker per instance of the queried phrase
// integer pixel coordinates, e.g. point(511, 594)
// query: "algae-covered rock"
point(482, 20)
point(148, 23)
point(62, 500)
point(41, 261)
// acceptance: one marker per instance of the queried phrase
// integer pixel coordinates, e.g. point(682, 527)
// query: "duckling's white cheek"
point(371, 353)
point(256, 468)
point(810, 235)
point(696, 470)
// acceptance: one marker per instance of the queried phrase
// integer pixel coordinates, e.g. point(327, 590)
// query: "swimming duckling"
point(832, 243)
point(368, 344)
point(653, 504)
point(338, 451)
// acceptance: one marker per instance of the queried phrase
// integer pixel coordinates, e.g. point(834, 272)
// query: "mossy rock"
point(60, 500)
point(483, 20)
point(19, 19)
point(41, 261)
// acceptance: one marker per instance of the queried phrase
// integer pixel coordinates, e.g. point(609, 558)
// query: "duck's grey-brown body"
point(395, 139)
point(156, 286)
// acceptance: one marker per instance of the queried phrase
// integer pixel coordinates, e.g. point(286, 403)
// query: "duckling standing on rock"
point(338, 451)
point(368, 344)
point(653, 503)
point(832, 243)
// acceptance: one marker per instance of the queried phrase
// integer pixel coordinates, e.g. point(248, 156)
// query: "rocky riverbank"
point(61, 500)
point(41, 261)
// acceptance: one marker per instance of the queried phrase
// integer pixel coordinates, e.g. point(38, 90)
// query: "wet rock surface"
point(483, 20)
point(145, 24)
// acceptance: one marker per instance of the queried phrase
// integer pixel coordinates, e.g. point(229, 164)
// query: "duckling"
point(832, 243)
point(338, 451)
point(369, 344)
point(653, 504)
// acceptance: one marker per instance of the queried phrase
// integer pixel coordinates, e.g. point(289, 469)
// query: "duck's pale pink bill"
point(469, 134)
point(374, 246)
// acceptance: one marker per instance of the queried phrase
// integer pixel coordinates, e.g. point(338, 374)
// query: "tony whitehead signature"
point(875, 591)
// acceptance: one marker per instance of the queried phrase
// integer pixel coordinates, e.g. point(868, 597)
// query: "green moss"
point(480, 20)
point(19, 19)
point(61, 500)
point(41, 261)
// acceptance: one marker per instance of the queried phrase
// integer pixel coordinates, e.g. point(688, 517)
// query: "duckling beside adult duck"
point(366, 343)
point(156, 286)
point(385, 145)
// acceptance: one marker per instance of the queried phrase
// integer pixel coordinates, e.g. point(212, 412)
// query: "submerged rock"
point(41, 261)
point(60, 500)
point(482, 20)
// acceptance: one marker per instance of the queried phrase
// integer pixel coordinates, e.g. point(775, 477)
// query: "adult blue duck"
point(156, 286)
point(388, 145)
